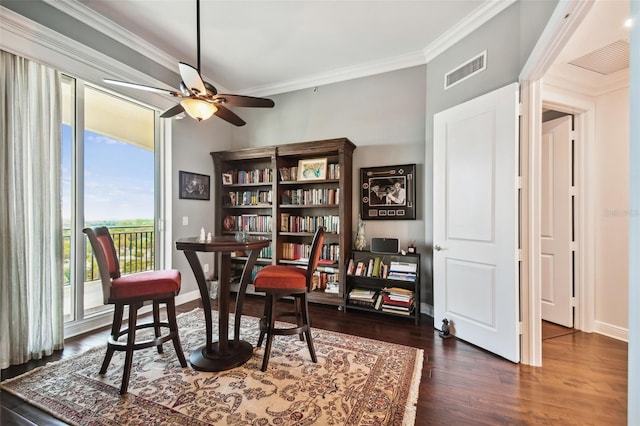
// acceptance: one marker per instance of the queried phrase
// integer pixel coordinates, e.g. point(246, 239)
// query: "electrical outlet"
point(206, 267)
point(185, 220)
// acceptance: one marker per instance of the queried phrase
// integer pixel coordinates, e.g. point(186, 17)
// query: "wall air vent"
point(468, 69)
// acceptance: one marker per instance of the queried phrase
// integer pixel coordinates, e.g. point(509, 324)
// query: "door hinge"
point(572, 246)
point(573, 302)
point(572, 135)
point(518, 182)
point(520, 328)
point(161, 225)
point(519, 255)
point(519, 109)
point(572, 191)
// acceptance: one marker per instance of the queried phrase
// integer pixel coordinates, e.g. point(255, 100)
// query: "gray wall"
point(383, 115)
point(191, 144)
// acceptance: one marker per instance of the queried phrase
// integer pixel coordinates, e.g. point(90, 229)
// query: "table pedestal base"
point(237, 353)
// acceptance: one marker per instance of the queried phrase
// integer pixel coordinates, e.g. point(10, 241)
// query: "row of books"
point(248, 198)
point(291, 223)
point(311, 197)
point(247, 222)
point(393, 300)
point(377, 268)
point(247, 176)
point(293, 251)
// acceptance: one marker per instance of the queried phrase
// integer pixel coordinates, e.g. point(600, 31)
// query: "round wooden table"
point(223, 354)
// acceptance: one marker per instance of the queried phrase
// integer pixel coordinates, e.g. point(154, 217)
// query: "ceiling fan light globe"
point(198, 109)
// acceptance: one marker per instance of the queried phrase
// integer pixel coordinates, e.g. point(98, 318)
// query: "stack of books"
point(403, 271)
point(363, 297)
point(397, 300)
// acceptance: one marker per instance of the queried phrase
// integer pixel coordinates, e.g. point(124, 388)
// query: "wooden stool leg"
point(271, 326)
point(115, 330)
point(173, 327)
point(305, 315)
point(297, 300)
point(131, 340)
point(264, 321)
point(156, 323)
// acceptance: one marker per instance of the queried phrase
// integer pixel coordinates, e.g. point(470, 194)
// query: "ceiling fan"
point(198, 98)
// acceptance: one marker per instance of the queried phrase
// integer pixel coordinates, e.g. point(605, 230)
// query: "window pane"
point(118, 184)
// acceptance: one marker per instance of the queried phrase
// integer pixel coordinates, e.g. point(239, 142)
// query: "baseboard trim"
point(610, 330)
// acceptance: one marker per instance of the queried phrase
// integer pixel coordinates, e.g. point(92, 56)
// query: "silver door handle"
point(437, 248)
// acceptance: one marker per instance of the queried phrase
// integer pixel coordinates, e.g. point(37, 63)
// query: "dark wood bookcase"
point(377, 283)
point(257, 191)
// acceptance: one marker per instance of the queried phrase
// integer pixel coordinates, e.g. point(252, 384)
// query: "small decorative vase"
point(361, 240)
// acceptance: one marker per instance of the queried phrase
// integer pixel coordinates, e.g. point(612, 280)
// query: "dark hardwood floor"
point(583, 380)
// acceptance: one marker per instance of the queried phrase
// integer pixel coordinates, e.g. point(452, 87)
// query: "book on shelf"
point(403, 267)
point(363, 294)
point(351, 268)
point(401, 276)
point(395, 311)
point(360, 269)
point(370, 268)
point(388, 301)
point(376, 267)
point(379, 300)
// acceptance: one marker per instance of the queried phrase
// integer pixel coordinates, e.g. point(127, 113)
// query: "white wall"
point(612, 211)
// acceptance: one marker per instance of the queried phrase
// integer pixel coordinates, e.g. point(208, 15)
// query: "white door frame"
point(564, 21)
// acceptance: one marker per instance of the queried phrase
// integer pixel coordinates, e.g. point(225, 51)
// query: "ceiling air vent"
point(606, 60)
point(466, 70)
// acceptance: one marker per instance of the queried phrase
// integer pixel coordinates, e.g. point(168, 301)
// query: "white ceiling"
point(263, 47)
point(266, 46)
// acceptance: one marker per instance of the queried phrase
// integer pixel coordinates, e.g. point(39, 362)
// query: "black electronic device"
point(385, 245)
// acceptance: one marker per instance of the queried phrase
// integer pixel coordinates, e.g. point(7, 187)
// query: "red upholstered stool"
point(133, 291)
point(279, 281)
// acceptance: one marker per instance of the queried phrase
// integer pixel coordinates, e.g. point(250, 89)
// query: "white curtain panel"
point(31, 271)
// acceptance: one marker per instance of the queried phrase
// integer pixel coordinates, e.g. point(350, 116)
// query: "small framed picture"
point(194, 186)
point(312, 169)
point(227, 178)
point(388, 193)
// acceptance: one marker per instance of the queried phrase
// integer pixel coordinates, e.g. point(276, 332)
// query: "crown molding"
point(29, 39)
point(586, 82)
point(84, 14)
point(343, 74)
point(486, 11)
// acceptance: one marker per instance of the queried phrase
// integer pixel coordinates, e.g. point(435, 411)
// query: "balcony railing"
point(135, 246)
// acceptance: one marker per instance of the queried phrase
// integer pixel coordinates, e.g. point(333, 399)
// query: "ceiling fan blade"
point(174, 110)
point(245, 101)
point(191, 78)
point(228, 115)
point(141, 87)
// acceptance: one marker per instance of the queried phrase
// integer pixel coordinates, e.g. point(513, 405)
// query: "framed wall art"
point(312, 169)
point(388, 193)
point(194, 186)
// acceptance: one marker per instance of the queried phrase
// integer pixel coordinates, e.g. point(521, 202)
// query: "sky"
point(119, 179)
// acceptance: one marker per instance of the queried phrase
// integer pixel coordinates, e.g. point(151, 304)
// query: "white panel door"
point(475, 204)
point(556, 223)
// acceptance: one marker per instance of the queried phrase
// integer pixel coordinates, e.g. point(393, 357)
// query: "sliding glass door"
point(109, 175)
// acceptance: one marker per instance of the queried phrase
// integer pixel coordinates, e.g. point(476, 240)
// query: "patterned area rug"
point(356, 381)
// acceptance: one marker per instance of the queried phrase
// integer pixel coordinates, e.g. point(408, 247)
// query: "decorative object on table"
point(194, 186)
point(312, 169)
point(203, 236)
point(412, 247)
point(361, 239)
point(380, 381)
point(133, 291)
point(445, 331)
point(209, 237)
point(388, 193)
